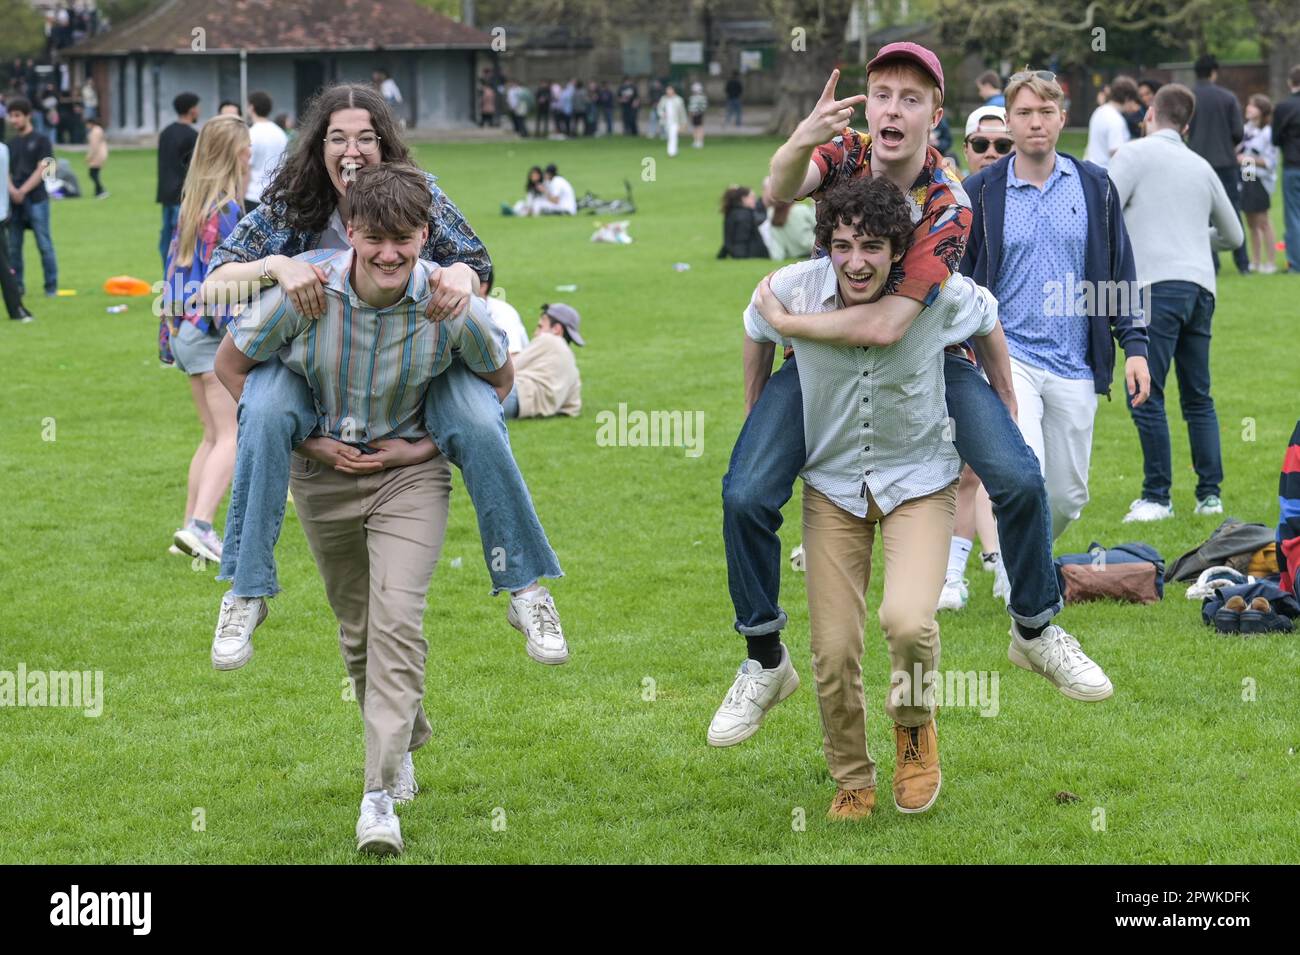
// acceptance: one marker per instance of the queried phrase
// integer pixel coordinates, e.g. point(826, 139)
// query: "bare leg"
point(199, 461)
point(215, 477)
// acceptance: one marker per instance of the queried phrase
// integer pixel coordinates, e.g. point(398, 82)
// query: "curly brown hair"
point(873, 206)
point(303, 184)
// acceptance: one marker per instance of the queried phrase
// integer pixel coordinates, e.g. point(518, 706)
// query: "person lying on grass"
point(900, 477)
point(371, 488)
point(349, 128)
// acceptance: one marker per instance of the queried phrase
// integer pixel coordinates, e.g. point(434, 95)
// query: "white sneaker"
point(1001, 582)
point(1057, 656)
point(988, 561)
point(197, 543)
point(406, 787)
point(1211, 505)
point(754, 693)
point(533, 614)
point(954, 595)
point(1143, 510)
point(379, 831)
point(173, 549)
point(232, 645)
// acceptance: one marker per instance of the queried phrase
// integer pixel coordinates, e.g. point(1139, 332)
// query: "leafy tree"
point(24, 32)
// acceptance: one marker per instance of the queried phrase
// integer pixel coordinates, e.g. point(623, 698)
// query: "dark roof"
point(274, 26)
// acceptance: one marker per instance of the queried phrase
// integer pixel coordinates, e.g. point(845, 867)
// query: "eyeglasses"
point(367, 144)
point(1047, 75)
point(980, 145)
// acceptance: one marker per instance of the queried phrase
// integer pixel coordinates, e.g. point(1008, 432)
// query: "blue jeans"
point(733, 109)
point(1291, 214)
point(770, 453)
point(277, 413)
point(1179, 332)
point(510, 407)
point(34, 216)
point(171, 214)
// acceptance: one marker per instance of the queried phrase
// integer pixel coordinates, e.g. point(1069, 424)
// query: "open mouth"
point(891, 135)
point(388, 269)
point(859, 281)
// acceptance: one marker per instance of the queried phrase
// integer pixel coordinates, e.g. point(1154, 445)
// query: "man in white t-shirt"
point(560, 198)
point(504, 315)
point(1107, 129)
point(269, 143)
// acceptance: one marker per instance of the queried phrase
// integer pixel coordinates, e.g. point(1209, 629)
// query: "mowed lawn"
point(603, 760)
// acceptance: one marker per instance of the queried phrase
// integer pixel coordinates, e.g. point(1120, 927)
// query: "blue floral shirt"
point(265, 231)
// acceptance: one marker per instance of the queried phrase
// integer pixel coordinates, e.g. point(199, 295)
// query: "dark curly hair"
point(871, 206)
point(303, 185)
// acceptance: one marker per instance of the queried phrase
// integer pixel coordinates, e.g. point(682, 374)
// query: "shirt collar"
point(1169, 134)
point(340, 280)
point(933, 162)
point(1062, 168)
point(830, 290)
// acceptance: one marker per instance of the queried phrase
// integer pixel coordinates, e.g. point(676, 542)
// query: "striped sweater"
point(1288, 522)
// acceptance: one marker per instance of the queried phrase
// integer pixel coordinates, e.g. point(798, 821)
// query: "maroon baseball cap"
point(911, 53)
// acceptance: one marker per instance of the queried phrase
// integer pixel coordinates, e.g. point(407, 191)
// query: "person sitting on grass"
point(741, 216)
point(546, 375)
point(904, 482)
point(346, 129)
point(372, 490)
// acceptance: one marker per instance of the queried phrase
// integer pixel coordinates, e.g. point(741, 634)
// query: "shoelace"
point(234, 625)
point(912, 748)
point(544, 619)
point(744, 690)
point(1063, 650)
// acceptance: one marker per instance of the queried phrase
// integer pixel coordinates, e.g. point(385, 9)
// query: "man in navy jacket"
point(1048, 238)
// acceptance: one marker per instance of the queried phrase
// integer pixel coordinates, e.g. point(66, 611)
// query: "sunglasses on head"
point(980, 145)
point(1047, 75)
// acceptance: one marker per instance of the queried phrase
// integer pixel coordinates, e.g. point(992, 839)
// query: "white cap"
point(984, 112)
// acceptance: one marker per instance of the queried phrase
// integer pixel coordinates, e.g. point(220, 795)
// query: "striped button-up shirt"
point(875, 419)
point(368, 367)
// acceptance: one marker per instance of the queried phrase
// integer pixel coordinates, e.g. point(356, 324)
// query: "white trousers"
point(672, 139)
point(1056, 417)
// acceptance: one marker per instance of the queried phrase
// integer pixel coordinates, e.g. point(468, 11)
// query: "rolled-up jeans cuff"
point(1041, 619)
point(763, 629)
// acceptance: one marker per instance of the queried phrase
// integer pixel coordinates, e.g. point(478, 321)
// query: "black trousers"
point(1230, 176)
point(8, 283)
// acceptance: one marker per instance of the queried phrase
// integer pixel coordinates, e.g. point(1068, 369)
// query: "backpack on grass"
point(1133, 573)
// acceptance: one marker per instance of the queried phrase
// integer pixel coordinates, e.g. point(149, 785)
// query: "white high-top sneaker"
point(534, 615)
point(378, 830)
point(750, 698)
point(406, 787)
point(232, 644)
point(954, 595)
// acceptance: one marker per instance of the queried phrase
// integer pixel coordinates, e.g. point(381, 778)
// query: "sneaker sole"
point(790, 687)
point(1019, 659)
point(237, 662)
point(173, 549)
point(193, 547)
point(379, 846)
point(927, 806)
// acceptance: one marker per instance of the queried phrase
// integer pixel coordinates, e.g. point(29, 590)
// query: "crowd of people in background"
point(573, 107)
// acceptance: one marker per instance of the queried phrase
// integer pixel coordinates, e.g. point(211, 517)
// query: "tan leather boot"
point(916, 771)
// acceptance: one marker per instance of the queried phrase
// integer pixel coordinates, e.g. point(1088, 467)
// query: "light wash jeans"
point(277, 413)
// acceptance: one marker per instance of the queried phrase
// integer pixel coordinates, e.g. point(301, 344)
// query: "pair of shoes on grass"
point(1236, 617)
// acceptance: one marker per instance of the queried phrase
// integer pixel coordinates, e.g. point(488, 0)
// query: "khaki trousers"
point(837, 555)
point(376, 540)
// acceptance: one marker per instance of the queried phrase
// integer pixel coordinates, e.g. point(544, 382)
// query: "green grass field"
point(602, 760)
